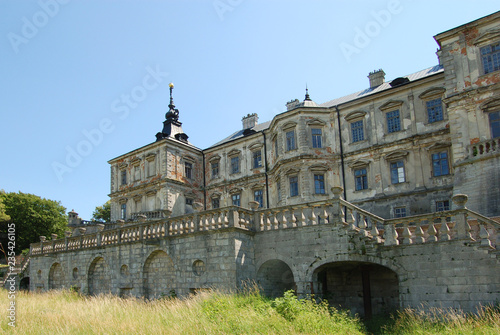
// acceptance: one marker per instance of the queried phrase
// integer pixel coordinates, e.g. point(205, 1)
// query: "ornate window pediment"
point(151, 156)
point(354, 115)
point(433, 92)
point(316, 122)
point(214, 159)
point(319, 168)
point(255, 146)
point(358, 163)
point(489, 36)
point(396, 155)
point(392, 104)
point(289, 125)
point(492, 105)
point(233, 153)
point(292, 171)
point(235, 190)
point(438, 145)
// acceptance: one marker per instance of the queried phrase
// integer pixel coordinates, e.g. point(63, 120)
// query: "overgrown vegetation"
point(66, 312)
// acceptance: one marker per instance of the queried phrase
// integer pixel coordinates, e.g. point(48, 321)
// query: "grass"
point(65, 312)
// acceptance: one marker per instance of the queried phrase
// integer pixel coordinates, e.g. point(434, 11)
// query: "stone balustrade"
point(484, 148)
point(426, 228)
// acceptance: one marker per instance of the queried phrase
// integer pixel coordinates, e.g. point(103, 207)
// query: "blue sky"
point(82, 82)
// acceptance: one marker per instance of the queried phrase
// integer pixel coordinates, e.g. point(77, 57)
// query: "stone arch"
point(24, 284)
point(365, 288)
point(158, 275)
point(56, 277)
point(275, 277)
point(99, 281)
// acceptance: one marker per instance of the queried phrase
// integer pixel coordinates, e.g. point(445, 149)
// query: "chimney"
point(376, 78)
point(292, 104)
point(250, 120)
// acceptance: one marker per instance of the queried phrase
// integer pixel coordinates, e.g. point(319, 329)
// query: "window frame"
point(215, 201)
point(293, 180)
point(236, 199)
point(434, 119)
point(359, 129)
point(445, 205)
point(400, 212)
point(258, 196)
point(235, 164)
point(123, 177)
point(440, 159)
point(497, 122)
point(290, 140)
point(317, 139)
point(214, 168)
point(492, 53)
point(123, 210)
point(256, 154)
point(398, 172)
point(321, 182)
point(362, 177)
point(389, 119)
point(188, 169)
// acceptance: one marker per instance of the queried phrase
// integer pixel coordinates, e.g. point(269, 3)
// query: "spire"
point(172, 125)
point(307, 95)
point(172, 113)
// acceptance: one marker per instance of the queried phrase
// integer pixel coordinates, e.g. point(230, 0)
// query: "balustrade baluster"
point(485, 236)
point(444, 231)
point(313, 219)
point(419, 233)
point(390, 235)
point(406, 233)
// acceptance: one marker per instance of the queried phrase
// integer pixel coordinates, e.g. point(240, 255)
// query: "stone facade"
point(330, 199)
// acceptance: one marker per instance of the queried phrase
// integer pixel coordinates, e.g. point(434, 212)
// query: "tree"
point(33, 217)
point(102, 213)
point(3, 215)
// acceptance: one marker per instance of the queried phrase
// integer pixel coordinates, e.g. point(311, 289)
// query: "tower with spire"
point(172, 127)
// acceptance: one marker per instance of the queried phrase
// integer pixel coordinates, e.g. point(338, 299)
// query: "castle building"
point(398, 148)
point(381, 199)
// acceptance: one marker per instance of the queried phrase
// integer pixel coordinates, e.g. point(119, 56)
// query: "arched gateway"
point(275, 277)
point(365, 288)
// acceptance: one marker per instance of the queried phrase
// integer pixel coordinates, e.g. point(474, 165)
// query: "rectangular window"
point(290, 140)
point(434, 110)
point(294, 186)
point(490, 55)
point(257, 159)
point(397, 172)
point(443, 205)
point(393, 121)
point(357, 131)
point(399, 212)
point(361, 179)
point(123, 212)
point(236, 199)
point(440, 164)
point(188, 170)
point(317, 138)
point(319, 184)
point(235, 164)
point(258, 196)
point(494, 119)
point(124, 177)
point(215, 169)
point(189, 201)
point(215, 203)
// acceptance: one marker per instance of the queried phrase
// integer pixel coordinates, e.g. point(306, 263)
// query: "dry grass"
point(64, 312)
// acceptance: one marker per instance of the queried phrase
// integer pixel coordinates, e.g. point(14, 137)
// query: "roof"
point(361, 94)
point(385, 86)
point(239, 133)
